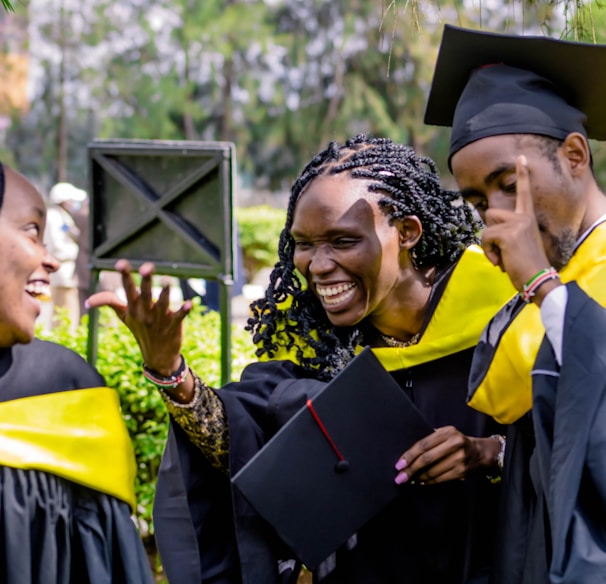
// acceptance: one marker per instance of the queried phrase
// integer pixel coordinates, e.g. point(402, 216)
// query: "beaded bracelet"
point(531, 287)
point(170, 382)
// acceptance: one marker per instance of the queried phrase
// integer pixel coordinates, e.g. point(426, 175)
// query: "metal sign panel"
point(169, 202)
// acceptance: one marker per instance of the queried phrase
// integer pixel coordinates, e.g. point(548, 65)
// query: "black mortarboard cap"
point(489, 84)
point(318, 489)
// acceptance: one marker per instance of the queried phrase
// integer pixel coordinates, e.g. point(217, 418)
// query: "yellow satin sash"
point(79, 435)
point(505, 393)
point(475, 291)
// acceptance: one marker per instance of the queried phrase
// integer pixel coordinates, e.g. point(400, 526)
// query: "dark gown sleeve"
point(519, 552)
point(205, 531)
point(553, 514)
point(53, 531)
point(569, 414)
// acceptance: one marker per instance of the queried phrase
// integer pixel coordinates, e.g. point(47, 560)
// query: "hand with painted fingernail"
point(444, 455)
point(402, 476)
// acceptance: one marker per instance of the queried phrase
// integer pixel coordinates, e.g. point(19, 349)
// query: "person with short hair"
point(522, 111)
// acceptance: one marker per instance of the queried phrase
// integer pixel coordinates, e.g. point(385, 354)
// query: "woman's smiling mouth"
point(334, 295)
point(39, 290)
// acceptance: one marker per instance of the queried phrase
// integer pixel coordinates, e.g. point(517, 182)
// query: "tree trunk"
point(61, 118)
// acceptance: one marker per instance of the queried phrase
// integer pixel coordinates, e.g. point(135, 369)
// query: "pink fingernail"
point(401, 478)
point(401, 464)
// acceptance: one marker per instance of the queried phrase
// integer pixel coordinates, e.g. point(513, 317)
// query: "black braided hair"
point(290, 314)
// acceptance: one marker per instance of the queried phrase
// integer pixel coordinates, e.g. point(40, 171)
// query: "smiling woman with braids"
point(374, 253)
point(408, 193)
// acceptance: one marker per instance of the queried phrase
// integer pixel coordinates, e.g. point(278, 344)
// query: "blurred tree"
point(48, 140)
point(586, 22)
point(277, 77)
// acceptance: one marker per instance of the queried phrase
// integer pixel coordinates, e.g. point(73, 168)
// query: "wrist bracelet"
point(501, 456)
point(170, 382)
point(531, 287)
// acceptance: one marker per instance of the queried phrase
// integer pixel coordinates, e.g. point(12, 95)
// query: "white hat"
point(64, 191)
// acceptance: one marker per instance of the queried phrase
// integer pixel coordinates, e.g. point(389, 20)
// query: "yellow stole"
point(475, 291)
point(79, 435)
point(505, 393)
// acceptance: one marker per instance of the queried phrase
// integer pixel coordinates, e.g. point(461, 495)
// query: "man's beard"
point(562, 248)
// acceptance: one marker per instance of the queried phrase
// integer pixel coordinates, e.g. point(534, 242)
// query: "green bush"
point(259, 229)
point(119, 361)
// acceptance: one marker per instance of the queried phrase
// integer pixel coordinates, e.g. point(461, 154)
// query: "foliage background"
point(279, 78)
point(259, 228)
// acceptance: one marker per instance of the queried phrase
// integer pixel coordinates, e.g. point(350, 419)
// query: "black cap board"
point(330, 468)
point(488, 84)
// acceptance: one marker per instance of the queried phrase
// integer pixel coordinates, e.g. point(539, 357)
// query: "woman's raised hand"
point(156, 327)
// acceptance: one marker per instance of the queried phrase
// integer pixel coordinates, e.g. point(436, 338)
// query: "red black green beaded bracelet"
point(531, 287)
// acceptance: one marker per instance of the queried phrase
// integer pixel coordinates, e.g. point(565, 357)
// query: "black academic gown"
point(429, 534)
point(207, 532)
point(553, 516)
point(52, 530)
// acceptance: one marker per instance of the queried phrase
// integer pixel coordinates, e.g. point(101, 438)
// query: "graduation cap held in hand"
point(330, 468)
point(489, 84)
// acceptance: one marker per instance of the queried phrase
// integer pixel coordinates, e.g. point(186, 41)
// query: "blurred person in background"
point(81, 219)
point(209, 291)
point(61, 239)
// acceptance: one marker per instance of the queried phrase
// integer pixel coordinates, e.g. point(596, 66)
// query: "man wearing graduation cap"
point(522, 110)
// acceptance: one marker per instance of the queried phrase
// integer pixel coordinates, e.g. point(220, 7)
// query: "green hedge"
point(259, 229)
